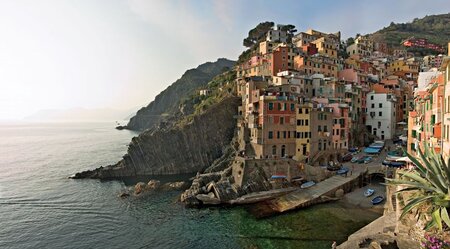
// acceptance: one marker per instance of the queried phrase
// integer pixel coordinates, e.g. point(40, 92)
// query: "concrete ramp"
point(322, 191)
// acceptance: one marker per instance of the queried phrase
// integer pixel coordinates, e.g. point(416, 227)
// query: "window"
point(292, 107)
point(270, 106)
point(306, 122)
point(371, 97)
point(380, 105)
point(279, 106)
point(319, 128)
point(281, 120)
point(379, 124)
point(278, 134)
point(284, 134)
point(373, 105)
point(300, 110)
point(298, 122)
point(274, 150)
point(285, 107)
point(381, 114)
point(325, 128)
point(270, 134)
point(306, 110)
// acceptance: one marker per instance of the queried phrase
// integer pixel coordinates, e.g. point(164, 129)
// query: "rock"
point(153, 184)
point(339, 193)
point(124, 194)
point(121, 127)
point(168, 101)
point(374, 245)
point(185, 148)
point(207, 199)
point(175, 186)
point(139, 187)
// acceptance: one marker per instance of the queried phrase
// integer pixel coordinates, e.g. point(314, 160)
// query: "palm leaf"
point(444, 216)
point(430, 224)
point(437, 218)
point(414, 176)
point(416, 162)
point(432, 172)
point(412, 184)
point(414, 203)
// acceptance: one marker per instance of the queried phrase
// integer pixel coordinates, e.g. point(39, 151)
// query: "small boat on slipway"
point(377, 200)
point(308, 184)
point(369, 192)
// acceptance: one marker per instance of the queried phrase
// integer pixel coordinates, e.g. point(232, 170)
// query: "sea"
point(40, 207)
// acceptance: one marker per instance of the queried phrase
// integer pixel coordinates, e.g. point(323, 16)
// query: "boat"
point(308, 184)
point(377, 200)
point(371, 150)
point(278, 177)
point(369, 192)
point(342, 171)
point(397, 164)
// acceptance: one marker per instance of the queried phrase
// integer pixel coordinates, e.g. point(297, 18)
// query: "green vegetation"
point(220, 87)
point(435, 28)
point(256, 34)
point(427, 188)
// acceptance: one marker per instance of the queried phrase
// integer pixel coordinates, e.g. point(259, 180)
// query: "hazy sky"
point(121, 53)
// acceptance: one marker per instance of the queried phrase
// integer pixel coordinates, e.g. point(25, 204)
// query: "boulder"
point(175, 186)
point(374, 245)
point(139, 187)
point(153, 184)
point(339, 193)
point(207, 199)
point(124, 194)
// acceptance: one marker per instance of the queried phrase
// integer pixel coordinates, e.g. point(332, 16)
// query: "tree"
point(429, 185)
point(350, 41)
point(257, 33)
point(290, 30)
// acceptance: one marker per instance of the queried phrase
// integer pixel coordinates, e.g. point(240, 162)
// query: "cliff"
point(435, 28)
point(166, 104)
point(186, 147)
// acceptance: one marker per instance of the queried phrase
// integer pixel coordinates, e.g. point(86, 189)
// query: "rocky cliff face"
point(166, 104)
point(186, 148)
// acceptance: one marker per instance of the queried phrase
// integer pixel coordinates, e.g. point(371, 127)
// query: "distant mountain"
point(435, 28)
point(167, 103)
point(80, 114)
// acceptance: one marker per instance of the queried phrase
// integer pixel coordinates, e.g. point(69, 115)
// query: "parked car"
point(355, 159)
point(367, 159)
point(347, 157)
point(354, 149)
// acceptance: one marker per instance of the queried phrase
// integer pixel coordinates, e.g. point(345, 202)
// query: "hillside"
point(435, 28)
point(167, 103)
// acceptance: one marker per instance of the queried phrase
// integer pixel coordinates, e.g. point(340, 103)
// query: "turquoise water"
point(41, 208)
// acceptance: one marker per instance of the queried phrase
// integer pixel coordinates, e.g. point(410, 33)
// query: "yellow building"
point(303, 130)
point(326, 46)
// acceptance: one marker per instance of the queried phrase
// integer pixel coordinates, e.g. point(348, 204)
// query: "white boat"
point(308, 184)
point(369, 192)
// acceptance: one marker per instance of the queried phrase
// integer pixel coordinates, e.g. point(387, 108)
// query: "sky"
point(62, 54)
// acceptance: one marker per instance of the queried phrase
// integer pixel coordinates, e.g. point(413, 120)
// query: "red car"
point(347, 157)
